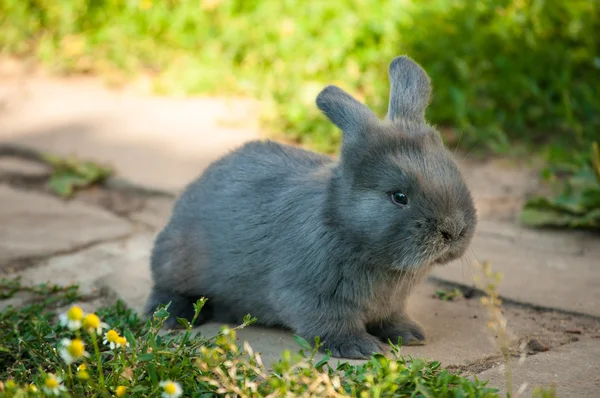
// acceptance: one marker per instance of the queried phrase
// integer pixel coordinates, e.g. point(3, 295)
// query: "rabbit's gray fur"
point(315, 245)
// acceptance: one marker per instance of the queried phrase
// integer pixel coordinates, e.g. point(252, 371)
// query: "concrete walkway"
point(102, 238)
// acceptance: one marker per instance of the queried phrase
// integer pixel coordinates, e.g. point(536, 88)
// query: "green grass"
point(30, 355)
point(509, 75)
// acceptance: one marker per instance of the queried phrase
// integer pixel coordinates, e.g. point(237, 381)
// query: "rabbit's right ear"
point(410, 90)
point(351, 116)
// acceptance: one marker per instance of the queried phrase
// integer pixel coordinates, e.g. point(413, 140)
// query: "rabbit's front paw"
point(359, 346)
point(410, 332)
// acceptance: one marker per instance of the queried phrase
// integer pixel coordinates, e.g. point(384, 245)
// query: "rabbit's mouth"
point(430, 254)
point(449, 255)
point(425, 262)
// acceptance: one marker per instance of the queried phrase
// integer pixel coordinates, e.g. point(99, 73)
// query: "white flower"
point(171, 389)
point(110, 338)
point(72, 350)
point(72, 318)
point(92, 323)
point(113, 340)
point(53, 385)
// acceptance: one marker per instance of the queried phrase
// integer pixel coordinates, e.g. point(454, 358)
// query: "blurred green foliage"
point(506, 73)
point(510, 70)
point(577, 205)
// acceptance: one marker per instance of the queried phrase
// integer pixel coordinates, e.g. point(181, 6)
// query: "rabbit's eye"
point(398, 198)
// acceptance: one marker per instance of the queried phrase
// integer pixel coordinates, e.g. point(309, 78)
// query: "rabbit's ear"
point(410, 90)
point(351, 116)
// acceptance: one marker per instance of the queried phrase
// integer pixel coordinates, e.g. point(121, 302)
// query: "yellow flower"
point(72, 350)
point(83, 374)
point(110, 338)
point(121, 342)
point(91, 323)
point(72, 318)
point(32, 388)
point(120, 391)
point(171, 389)
point(53, 385)
point(51, 382)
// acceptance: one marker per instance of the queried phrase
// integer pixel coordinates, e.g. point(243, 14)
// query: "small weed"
point(488, 280)
point(449, 295)
point(70, 174)
point(67, 174)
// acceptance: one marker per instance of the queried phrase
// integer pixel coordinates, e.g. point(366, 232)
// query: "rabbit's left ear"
point(343, 110)
point(410, 90)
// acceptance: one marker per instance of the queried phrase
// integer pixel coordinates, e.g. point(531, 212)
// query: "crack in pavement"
point(473, 291)
point(25, 263)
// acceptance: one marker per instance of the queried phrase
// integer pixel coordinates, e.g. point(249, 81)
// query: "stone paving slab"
point(574, 368)
point(90, 267)
point(499, 186)
point(37, 225)
point(557, 269)
point(153, 141)
point(155, 214)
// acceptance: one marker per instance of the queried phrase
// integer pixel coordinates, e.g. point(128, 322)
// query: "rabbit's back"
point(231, 227)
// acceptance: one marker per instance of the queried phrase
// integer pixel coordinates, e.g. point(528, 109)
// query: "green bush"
point(502, 69)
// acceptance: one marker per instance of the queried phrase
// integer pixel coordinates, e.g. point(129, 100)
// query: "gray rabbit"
point(325, 248)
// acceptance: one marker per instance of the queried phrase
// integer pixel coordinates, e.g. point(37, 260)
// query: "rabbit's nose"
point(447, 235)
point(452, 230)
